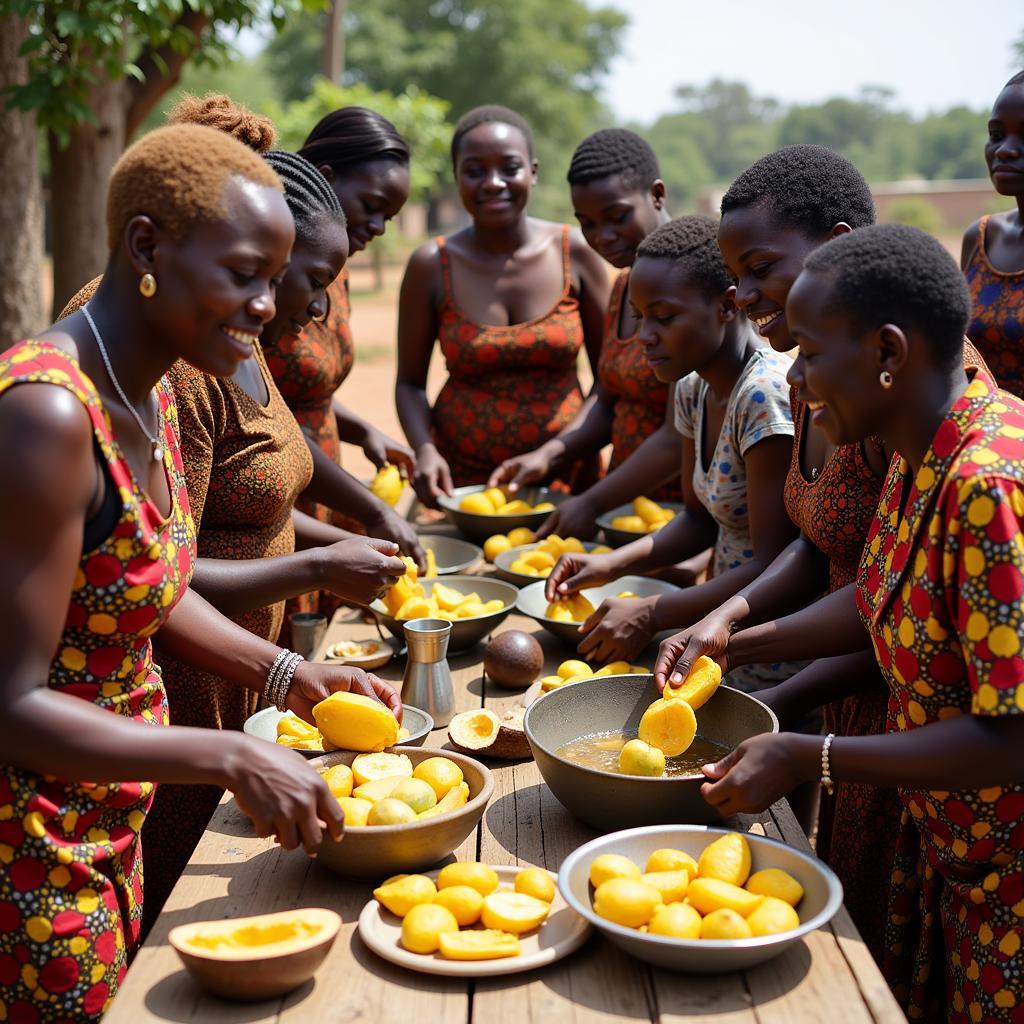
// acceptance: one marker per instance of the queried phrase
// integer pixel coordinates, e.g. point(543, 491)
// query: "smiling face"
point(1004, 149)
point(681, 329)
point(494, 173)
point(615, 218)
point(371, 194)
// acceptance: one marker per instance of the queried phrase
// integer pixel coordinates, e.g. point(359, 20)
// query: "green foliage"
point(915, 211)
point(419, 117)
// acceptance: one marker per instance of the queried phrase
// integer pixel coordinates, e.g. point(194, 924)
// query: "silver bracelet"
point(274, 675)
point(826, 772)
point(286, 681)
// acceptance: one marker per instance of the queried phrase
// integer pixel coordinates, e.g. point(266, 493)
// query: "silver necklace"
point(158, 448)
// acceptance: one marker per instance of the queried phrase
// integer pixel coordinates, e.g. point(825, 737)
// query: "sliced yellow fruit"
point(513, 912)
point(447, 597)
point(455, 798)
point(640, 758)
point(440, 773)
point(544, 506)
point(515, 507)
point(669, 859)
point(482, 944)
point(574, 667)
point(419, 795)
point(470, 610)
point(724, 924)
point(477, 504)
point(403, 892)
point(708, 894)
point(613, 668)
point(356, 810)
point(339, 780)
point(424, 925)
point(495, 545)
point(626, 901)
point(417, 608)
point(671, 884)
point(294, 743)
point(290, 724)
point(549, 683)
point(431, 565)
point(677, 921)
point(776, 883)
point(773, 917)
point(367, 767)
point(669, 725)
point(463, 901)
point(494, 605)
point(700, 684)
point(520, 535)
point(538, 559)
point(391, 812)
point(612, 865)
point(536, 882)
point(649, 511)
point(521, 567)
point(353, 721)
point(727, 858)
point(387, 484)
point(378, 789)
point(481, 877)
point(631, 524)
point(496, 496)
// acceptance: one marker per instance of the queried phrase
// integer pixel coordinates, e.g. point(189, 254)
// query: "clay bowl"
point(465, 632)
point(451, 554)
point(532, 602)
point(823, 896)
point(615, 537)
point(263, 725)
point(608, 800)
point(478, 527)
point(375, 852)
point(503, 563)
point(253, 973)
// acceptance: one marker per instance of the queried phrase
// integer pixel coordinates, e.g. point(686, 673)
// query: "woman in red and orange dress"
point(511, 300)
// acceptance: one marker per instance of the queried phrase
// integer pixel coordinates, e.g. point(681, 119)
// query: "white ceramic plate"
point(562, 933)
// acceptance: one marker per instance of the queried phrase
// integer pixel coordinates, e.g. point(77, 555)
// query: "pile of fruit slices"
point(539, 560)
point(713, 897)
point(572, 671)
point(408, 599)
point(647, 517)
point(441, 917)
point(293, 732)
point(576, 607)
point(495, 502)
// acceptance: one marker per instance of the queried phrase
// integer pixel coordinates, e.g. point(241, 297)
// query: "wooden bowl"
point(255, 972)
point(478, 527)
point(377, 851)
point(615, 537)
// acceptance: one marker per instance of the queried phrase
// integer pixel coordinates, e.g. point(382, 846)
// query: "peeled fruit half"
point(353, 721)
point(612, 865)
point(387, 484)
point(483, 732)
point(671, 884)
point(640, 758)
point(481, 944)
point(700, 684)
point(495, 545)
point(536, 882)
point(367, 767)
point(626, 901)
point(405, 892)
point(521, 535)
point(776, 883)
point(377, 789)
point(455, 798)
point(339, 780)
point(573, 667)
point(477, 504)
point(391, 812)
point(677, 921)
point(463, 901)
point(724, 924)
point(669, 725)
point(418, 794)
point(573, 609)
point(467, 872)
point(424, 925)
point(669, 859)
point(272, 934)
point(356, 810)
point(513, 912)
point(772, 917)
point(708, 894)
point(727, 858)
point(440, 773)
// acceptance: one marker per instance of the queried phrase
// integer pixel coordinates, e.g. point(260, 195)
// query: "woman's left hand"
point(381, 449)
point(389, 525)
point(760, 771)
point(314, 682)
point(619, 629)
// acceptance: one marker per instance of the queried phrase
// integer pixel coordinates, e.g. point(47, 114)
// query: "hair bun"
point(215, 110)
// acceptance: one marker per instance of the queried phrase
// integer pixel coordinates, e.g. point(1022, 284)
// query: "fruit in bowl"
point(493, 501)
point(293, 732)
point(647, 517)
point(408, 599)
point(538, 561)
point(574, 670)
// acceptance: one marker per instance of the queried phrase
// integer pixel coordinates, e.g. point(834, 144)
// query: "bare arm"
point(376, 445)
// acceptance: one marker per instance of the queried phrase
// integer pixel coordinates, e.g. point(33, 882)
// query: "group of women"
point(172, 452)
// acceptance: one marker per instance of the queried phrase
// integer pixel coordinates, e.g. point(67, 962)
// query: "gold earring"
point(147, 286)
point(885, 379)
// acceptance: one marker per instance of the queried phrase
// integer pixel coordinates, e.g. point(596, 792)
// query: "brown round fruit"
point(513, 659)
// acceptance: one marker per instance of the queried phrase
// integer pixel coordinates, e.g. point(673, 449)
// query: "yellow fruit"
point(671, 860)
point(417, 608)
point(467, 872)
point(649, 511)
point(549, 683)
point(470, 610)
point(387, 484)
point(521, 567)
point(669, 725)
point(631, 524)
point(477, 504)
point(671, 884)
point(612, 865)
point(495, 545)
point(339, 780)
point(455, 798)
point(601, 549)
point(496, 496)
point(418, 794)
point(626, 901)
point(447, 598)
point(353, 721)
point(367, 767)
point(539, 559)
point(536, 882)
point(677, 921)
point(403, 733)
point(494, 605)
point(424, 925)
point(291, 725)
point(516, 507)
point(640, 758)
point(773, 917)
point(724, 924)
point(404, 892)
point(700, 683)
point(431, 564)
point(573, 609)
point(403, 589)
point(573, 667)
point(378, 789)
point(613, 668)
point(390, 812)
point(356, 810)
point(513, 912)
point(573, 546)
point(463, 901)
point(294, 743)
point(521, 535)
point(638, 670)
point(480, 944)
point(626, 594)
point(776, 883)
point(727, 858)
point(544, 506)
point(559, 611)
point(440, 773)
point(708, 894)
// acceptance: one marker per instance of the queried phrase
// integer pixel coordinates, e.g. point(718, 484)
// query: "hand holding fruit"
point(432, 477)
point(528, 468)
point(574, 517)
point(391, 526)
point(760, 771)
point(314, 682)
point(678, 654)
point(360, 569)
point(574, 572)
point(381, 450)
point(619, 629)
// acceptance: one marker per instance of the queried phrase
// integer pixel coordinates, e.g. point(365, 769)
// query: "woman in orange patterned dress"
point(993, 252)
point(510, 300)
point(96, 551)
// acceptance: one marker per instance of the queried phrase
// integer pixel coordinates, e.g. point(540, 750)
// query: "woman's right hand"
point(574, 572)
point(677, 654)
point(278, 790)
point(433, 476)
point(359, 569)
point(520, 470)
point(574, 517)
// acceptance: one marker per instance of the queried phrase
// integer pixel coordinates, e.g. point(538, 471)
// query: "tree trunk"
point(334, 42)
point(21, 212)
point(78, 188)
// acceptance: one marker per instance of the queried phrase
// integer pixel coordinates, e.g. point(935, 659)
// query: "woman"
point(510, 299)
point(732, 410)
point(879, 316)
point(366, 162)
point(618, 198)
point(993, 248)
point(96, 551)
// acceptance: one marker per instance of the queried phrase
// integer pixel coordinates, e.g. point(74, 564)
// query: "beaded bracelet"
point(826, 772)
point(279, 679)
point(286, 681)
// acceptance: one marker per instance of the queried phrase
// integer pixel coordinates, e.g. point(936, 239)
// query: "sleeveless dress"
point(509, 389)
point(71, 882)
point(640, 398)
point(245, 464)
point(997, 318)
point(308, 368)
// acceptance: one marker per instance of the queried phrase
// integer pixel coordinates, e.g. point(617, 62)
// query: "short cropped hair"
point(614, 151)
point(691, 243)
point(491, 114)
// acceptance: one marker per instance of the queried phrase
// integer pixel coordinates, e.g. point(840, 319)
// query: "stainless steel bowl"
point(451, 554)
point(481, 527)
point(616, 537)
point(608, 800)
point(503, 563)
point(531, 601)
point(465, 632)
point(823, 896)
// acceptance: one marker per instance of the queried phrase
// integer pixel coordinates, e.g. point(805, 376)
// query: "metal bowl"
point(465, 632)
point(823, 896)
point(503, 563)
point(531, 601)
point(381, 850)
point(616, 537)
point(451, 554)
point(263, 725)
point(608, 800)
point(481, 527)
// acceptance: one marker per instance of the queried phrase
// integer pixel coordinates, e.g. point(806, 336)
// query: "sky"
point(934, 54)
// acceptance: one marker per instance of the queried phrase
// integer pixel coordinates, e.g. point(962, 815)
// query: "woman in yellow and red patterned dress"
point(879, 316)
point(96, 552)
point(511, 300)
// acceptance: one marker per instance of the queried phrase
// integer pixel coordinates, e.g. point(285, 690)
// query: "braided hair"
point(351, 136)
point(490, 114)
point(691, 243)
point(614, 151)
point(306, 191)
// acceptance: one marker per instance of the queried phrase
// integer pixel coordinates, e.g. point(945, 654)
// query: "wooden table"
point(828, 975)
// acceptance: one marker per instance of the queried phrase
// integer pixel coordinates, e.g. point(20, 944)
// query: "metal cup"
point(308, 632)
point(427, 683)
